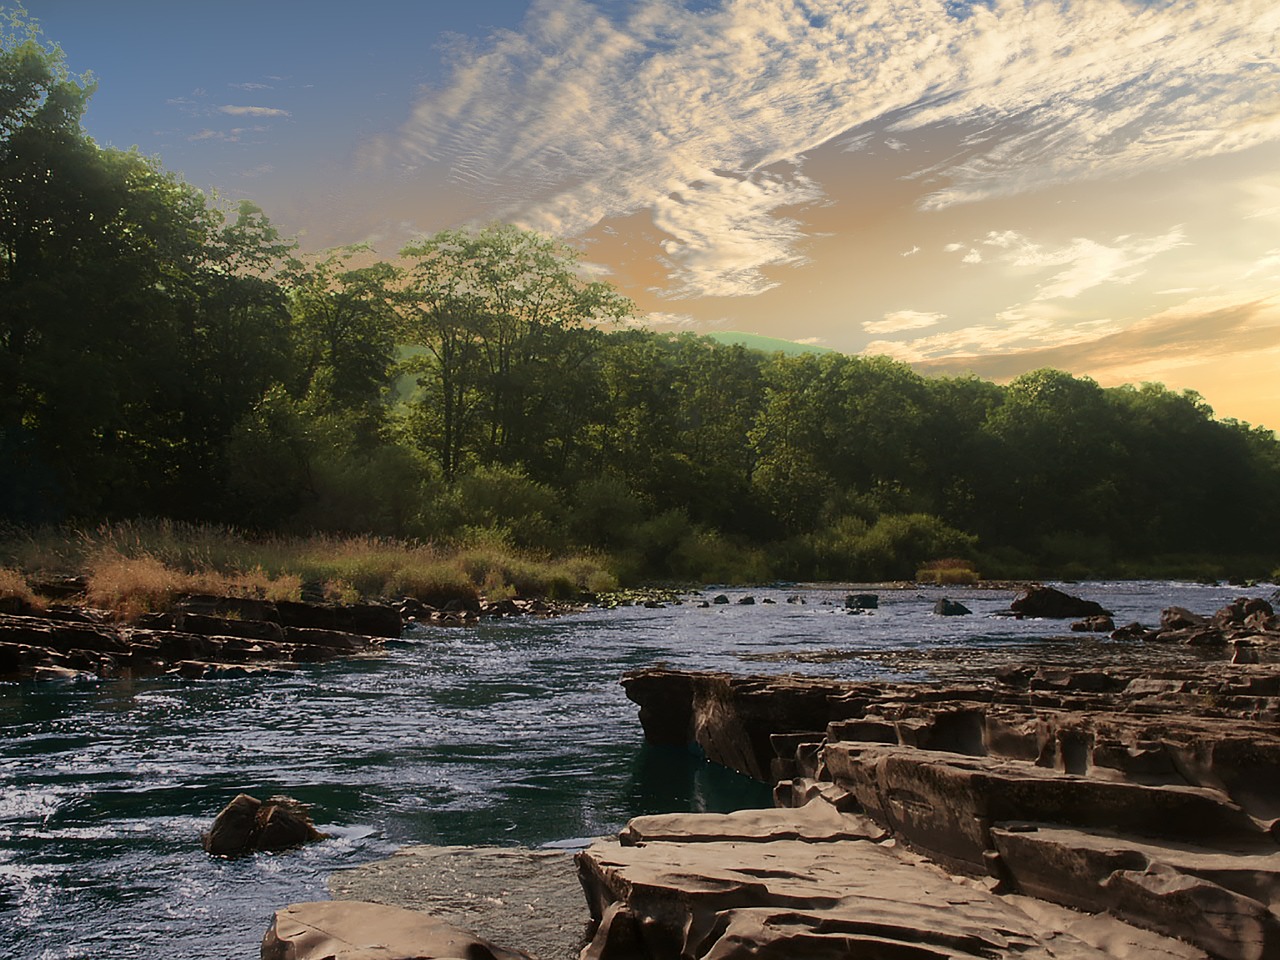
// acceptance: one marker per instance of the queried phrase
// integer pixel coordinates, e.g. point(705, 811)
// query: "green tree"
point(489, 311)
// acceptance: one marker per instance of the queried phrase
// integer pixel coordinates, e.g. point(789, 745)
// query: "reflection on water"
point(512, 732)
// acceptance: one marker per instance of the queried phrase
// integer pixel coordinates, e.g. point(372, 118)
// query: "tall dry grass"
point(15, 593)
point(139, 566)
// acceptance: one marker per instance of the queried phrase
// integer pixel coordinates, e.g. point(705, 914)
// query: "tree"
point(487, 310)
point(344, 324)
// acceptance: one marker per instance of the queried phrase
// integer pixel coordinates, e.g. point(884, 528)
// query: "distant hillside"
point(753, 341)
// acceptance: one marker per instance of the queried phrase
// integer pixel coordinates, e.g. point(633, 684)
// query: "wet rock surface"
point(247, 825)
point(1150, 795)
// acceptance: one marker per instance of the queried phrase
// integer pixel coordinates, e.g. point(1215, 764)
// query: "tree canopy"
point(164, 354)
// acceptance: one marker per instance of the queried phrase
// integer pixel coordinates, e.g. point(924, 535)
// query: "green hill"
point(753, 341)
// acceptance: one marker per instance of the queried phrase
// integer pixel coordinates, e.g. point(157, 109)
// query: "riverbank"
point(511, 732)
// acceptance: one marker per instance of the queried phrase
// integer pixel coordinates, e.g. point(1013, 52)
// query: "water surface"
point(513, 732)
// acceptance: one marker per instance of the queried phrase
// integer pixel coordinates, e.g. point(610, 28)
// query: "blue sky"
point(1088, 184)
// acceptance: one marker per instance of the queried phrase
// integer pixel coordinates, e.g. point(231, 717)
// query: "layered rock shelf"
point(1151, 798)
point(201, 637)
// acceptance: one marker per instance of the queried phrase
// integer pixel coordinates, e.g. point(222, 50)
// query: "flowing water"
point(512, 732)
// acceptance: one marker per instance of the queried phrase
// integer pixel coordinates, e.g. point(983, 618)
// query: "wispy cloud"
point(238, 111)
point(250, 86)
point(234, 135)
point(902, 320)
point(702, 116)
point(1017, 330)
point(1086, 263)
point(1191, 333)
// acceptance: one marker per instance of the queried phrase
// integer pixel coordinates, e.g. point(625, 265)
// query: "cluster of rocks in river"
point(200, 637)
point(205, 636)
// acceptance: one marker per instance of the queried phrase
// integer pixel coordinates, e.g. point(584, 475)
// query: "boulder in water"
point(247, 824)
point(951, 608)
point(1051, 604)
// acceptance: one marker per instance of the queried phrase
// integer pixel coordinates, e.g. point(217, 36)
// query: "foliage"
point(462, 419)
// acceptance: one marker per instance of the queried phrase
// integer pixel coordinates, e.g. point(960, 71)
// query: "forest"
point(165, 354)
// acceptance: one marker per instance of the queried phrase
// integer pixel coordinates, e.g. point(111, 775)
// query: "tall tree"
point(488, 309)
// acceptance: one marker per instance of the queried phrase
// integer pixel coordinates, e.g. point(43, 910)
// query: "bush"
point(952, 570)
point(16, 594)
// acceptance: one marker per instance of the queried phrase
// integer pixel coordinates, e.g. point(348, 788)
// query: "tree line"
point(163, 354)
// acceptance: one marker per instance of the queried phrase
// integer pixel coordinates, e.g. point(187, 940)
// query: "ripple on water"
point(511, 732)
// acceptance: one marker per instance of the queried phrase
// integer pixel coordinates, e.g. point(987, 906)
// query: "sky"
point(971, 187)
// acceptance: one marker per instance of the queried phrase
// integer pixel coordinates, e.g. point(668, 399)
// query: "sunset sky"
point(988, 187)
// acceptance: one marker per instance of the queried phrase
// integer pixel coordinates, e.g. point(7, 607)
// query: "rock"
point(1180, 618)
point(768, 600)
point(247, 824)
point(1132, 631)
point(724, 900)
point(1151, 794)
point(1220, 900)
point(720, 598)
point(861, 601)
point(951, 608)
point(746, 601)
point(1050, 604)
point(1094, 625)
point(352, 930)
point(811, 823)
point(528, 898)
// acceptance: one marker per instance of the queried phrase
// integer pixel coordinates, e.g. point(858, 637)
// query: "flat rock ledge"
point(954, 815)
point(345, 930)
point(511, 895)
point(201, 637)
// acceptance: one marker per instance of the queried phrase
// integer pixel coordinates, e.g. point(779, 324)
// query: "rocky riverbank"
point(1151, 798)
point(204, 636)
point(1127, 812)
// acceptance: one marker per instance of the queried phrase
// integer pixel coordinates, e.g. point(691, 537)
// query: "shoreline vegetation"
point(478, 414)
point(140, 567)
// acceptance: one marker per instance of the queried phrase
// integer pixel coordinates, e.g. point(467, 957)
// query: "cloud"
point(701, 115)
point(910, 253)
point(1018, 329)
point(237, 111)
point(1087, 263)
point(660, 319)
point(250, 86)
point(901, 320)
point(233, 135)
point(1199, 330)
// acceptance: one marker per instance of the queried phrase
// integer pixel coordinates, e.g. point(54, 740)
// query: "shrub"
point(952, 570)
point(15, 593)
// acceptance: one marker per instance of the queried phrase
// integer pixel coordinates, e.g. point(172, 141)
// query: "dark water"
point(507, 733)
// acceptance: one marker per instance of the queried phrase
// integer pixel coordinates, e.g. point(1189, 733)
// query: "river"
point(511, 732)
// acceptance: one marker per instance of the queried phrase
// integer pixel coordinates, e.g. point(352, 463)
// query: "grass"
point(952, 570)
point(16, 594)
point(139, 566)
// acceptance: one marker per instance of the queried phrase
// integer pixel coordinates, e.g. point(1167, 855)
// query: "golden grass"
point(949, 571)
point(15, 589)
point(132, 586)
point(140, 566)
